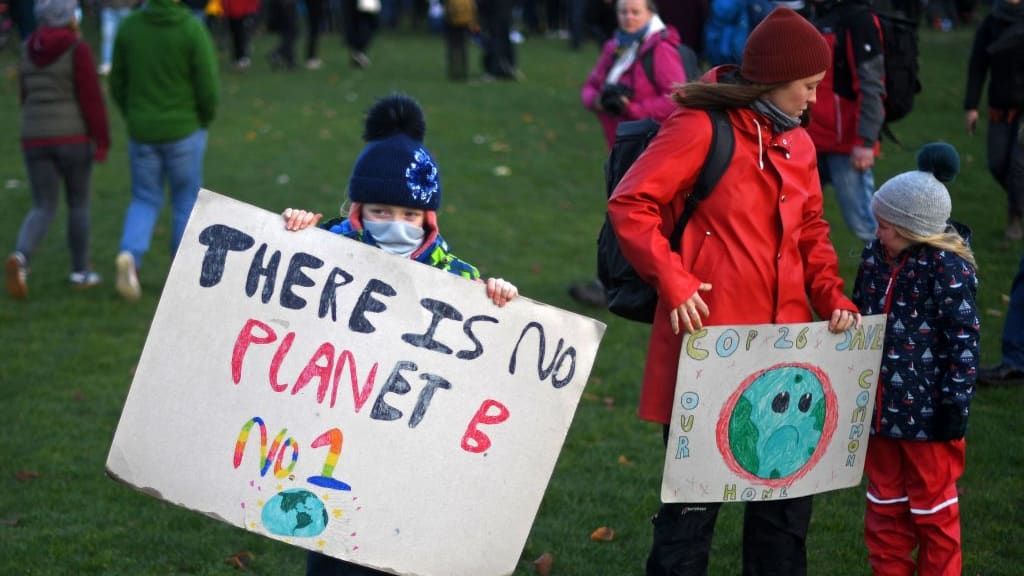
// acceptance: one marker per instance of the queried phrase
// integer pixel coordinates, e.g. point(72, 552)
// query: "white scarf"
point(628, 56)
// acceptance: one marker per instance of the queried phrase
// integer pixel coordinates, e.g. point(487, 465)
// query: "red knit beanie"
point(784, 47)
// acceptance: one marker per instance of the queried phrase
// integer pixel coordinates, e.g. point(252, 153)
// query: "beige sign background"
point(324, 393)
point(772, 411)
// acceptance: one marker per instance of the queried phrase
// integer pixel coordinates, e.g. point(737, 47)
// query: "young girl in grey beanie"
point(920, 272)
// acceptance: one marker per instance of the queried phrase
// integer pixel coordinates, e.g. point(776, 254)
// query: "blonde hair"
point(950, 241)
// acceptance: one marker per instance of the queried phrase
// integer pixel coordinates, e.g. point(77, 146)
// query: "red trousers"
point(912, 503)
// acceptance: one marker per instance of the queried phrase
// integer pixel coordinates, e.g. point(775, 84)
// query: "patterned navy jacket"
point(930, 356)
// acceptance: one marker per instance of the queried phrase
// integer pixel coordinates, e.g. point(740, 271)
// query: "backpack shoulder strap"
point(715, 164)
point(647, 60)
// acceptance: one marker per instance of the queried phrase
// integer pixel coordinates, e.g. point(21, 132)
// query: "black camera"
point(611, 98)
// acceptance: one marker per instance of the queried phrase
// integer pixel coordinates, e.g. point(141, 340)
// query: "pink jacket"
point(650, 100)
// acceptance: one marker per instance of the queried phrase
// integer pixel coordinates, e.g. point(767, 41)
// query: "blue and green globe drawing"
point(778, 423)
point(294, 512)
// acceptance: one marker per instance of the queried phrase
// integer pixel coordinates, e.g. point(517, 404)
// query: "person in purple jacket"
point(636, 71)
point(632, 80)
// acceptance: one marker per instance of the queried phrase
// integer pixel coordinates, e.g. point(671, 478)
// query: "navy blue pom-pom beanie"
point(394, 167)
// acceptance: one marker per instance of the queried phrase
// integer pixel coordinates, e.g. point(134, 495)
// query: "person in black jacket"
point(998, 53)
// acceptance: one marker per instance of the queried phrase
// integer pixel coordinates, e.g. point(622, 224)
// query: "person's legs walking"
point(147, 176)
point(1010, 369)
point(854, 189)
point(314, 21)
point(1015, 183)
point(76, 167)
point(44, 180)
point(108, 28)
point(184, 162)
point(1013, 328)
point(1002, 138)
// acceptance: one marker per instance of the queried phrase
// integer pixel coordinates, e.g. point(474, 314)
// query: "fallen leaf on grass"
point(994, 312)
point(78, 396)
point(609, 402)
point(26, 475)
point(12, 521)
point(625, 461)
point(241, 560)
point(603, 534)
point(590, 397)
point(543, 564)
point(1005, 298)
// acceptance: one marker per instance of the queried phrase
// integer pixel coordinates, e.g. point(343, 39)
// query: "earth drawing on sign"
point(778, 423)
point(294, 512)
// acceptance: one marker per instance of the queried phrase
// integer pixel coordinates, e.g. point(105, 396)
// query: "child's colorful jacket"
point(433, 252)
point(930, 356)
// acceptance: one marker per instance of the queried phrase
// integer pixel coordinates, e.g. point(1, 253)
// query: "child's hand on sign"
point(295, 219)
point(501, 291)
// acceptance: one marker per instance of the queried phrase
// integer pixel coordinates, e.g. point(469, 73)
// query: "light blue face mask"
point(393, 237)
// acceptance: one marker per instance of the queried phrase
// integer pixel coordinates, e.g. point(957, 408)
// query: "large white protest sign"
point(770, 412)
point(322, 392)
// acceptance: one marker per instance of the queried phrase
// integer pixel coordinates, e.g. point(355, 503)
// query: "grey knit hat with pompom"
point(918, 201)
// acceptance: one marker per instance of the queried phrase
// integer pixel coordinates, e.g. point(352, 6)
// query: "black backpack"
point(628, 295)
point(902, 73)
point(899, 50)
point(691, 63)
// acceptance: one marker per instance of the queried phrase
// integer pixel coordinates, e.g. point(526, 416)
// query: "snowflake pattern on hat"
point(421, 176)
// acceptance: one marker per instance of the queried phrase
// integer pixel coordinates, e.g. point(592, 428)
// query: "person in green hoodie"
point(164, 80)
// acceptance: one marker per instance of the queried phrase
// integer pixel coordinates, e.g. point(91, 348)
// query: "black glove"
point(950, 421)
point(611, 98)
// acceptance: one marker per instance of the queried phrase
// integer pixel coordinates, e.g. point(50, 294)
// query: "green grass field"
point(521, 164)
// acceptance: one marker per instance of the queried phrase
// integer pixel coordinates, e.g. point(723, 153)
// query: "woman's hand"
point(501, 291)
point(689, 313)
point(971, 121)
point(295, 219)
point(843, 320)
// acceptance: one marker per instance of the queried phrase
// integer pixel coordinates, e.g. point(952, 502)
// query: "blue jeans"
point(110, 19)
point(180, 163)
point(853, 192)
point(1013, 328)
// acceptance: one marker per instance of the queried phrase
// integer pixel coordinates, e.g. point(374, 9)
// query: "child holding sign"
point(920, 272)
point(395, 191)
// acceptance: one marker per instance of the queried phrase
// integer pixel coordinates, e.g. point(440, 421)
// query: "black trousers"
point(456, 43)
point(774, 538)
point(239, 37)
point(315, 22)
point(359, 26)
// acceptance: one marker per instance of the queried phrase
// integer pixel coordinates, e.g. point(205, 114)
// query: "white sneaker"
point(127, 280)
point(17, 275)
point(104, 69)
point(83, 280)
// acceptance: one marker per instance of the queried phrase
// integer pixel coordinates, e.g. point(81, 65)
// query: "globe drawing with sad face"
point(778, 423)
